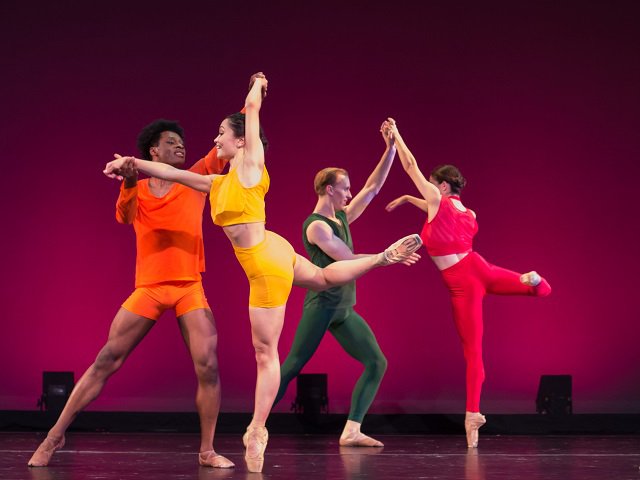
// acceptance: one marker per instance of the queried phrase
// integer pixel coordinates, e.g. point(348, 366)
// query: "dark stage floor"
point(173, 456)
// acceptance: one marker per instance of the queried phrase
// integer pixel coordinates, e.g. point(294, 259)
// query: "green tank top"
point(336, 297)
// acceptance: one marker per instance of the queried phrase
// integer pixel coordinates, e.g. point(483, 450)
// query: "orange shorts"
point(152, 300)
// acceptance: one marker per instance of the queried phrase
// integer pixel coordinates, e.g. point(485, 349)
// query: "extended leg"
point(501, 281)
point(310, 276)
point(127, 329)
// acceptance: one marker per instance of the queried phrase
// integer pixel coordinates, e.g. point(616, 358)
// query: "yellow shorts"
point(152, 300)
point(269, 268)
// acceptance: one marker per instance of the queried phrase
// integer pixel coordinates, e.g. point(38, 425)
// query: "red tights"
point(469, 281)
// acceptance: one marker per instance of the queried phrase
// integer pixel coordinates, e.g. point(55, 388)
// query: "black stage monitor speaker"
point(312, 397)
point(554, 395)
point(56, 388)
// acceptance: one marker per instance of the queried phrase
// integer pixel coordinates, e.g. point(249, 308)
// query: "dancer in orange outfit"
point(448, 236)
point(269, 261)
point(167, 219)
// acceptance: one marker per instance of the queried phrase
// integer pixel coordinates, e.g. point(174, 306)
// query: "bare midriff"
point(446, 261)
point(245, 235)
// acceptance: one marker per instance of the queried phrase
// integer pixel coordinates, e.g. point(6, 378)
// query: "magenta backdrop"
point(537, 102)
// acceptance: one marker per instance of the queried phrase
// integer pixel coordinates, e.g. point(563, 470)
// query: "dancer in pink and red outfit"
point(448, 236)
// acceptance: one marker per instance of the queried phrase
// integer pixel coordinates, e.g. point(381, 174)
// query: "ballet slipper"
point(359, 439)
point(255, 442)
point(533, 279)
point(212, 459)
point(45, 451)
point(472, 423)
point(401, 250)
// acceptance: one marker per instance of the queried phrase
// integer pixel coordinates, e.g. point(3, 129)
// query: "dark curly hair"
point(451, 175)
point(150, 135)
point(236, 122)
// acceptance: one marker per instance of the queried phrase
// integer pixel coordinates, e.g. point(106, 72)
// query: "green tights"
point(355, 337)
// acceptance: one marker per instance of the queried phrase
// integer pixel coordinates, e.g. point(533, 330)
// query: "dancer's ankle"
point(351, 428)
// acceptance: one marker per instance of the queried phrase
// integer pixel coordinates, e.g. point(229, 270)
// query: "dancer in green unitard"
point(327, 238)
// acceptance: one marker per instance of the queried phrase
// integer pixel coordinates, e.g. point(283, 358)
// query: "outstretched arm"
point(376, 179)
point(428, 191)
point(418, 202)
point(198, 182)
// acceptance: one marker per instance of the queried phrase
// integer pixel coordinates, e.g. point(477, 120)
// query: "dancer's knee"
point(107, 362)
point(207, 371)
point(266, 353)
point(473, 357)
point(321, 280)
point(377, 366)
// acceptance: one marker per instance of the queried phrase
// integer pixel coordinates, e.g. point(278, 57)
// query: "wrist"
point(130, 182)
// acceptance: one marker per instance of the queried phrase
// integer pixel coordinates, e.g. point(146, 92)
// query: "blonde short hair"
point(327, 176)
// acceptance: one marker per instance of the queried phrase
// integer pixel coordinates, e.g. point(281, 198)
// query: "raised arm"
point(376, 179)
point(210, 163)
point(253, 160)
point(428, 191)
point(163, 171)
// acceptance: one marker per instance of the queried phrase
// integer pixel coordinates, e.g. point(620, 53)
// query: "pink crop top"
point(450, 231)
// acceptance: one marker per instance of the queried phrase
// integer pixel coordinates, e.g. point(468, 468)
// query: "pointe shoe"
point(533, 279)
point(359, 439)
point(45, 451)
point(401, 250)
point(472, 423)
point(212, 459)
point(255, 442)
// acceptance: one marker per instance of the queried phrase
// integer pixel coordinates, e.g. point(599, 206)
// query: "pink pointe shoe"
point(472, 423)
point(359, 439)
point(255, 442)
point(401, 250)
point(45, 451)
point(540, 285)
point(212, 459)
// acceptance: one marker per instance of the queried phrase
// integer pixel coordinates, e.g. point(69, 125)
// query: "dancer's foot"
point(401, 250)
point(45, 451)
point(255, 441)
point(533, 279)
point(359, 439)
point(212, 459)
point(472, 423)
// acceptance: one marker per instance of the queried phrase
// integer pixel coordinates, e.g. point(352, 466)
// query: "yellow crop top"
point(232, 203)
